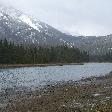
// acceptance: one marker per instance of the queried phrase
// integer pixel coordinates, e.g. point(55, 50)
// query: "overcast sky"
point(84, 17)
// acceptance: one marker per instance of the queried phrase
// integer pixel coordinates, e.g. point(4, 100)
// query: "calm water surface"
point(38, 76)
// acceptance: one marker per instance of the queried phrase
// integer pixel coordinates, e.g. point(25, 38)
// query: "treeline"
point(18, 54)
point(108, 57)
point(101, 58)
point(105, 58)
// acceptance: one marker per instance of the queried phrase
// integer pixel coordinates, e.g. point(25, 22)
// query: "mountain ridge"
point(22, 29)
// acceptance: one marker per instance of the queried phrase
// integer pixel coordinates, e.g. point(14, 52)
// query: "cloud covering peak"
point(78, 17)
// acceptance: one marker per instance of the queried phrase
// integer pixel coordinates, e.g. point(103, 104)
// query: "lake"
point(38, 76)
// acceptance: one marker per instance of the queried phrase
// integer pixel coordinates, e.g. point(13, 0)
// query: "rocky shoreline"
point(93, 94)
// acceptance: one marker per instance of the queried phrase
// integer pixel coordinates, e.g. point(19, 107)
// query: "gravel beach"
point(93, 94)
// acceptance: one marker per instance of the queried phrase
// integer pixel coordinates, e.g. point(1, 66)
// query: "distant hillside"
point(22, 29)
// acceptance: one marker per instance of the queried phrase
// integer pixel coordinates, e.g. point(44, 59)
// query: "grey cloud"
point(85, 17)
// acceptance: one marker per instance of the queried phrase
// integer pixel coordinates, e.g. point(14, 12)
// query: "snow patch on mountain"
point(28, 21)
point(1, 14)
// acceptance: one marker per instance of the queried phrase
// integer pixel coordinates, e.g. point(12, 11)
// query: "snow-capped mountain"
point(20, 28)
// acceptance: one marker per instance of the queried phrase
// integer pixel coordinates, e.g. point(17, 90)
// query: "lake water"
point(38, 76)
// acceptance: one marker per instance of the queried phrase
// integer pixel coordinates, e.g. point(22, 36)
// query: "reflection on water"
point(38, 76)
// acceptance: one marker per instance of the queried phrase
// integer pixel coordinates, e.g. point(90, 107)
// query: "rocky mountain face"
point(20, 28)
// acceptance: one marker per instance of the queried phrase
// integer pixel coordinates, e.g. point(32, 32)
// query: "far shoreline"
point(6, 66)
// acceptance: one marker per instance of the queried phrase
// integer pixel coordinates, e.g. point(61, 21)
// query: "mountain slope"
point(20, 28)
